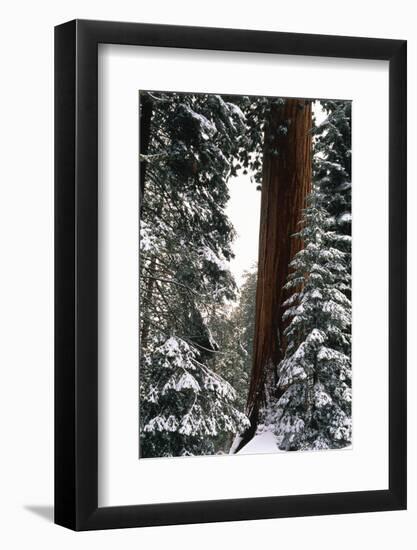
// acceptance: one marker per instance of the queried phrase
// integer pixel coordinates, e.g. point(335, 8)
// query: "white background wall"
point(26, 271)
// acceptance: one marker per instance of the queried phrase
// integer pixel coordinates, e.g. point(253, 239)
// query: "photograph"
point(245, 312)
point(207, 237)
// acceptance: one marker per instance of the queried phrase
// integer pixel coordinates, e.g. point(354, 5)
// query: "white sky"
point(318, 112)
point(243, 210)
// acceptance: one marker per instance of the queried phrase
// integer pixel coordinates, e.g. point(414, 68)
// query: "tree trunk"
point(145, 120)
point(286, 181)
point(144, 136)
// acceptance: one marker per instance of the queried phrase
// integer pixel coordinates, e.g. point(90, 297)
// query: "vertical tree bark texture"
point(144, 137)
point(286, 181)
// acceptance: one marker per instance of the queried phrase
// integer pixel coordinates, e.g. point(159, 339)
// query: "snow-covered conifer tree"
point(188, 404)
point(185, 245)
point(332, 167)
point(314, 410)
point(333, 161)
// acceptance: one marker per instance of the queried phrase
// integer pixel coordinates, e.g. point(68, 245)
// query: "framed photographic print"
point(230, 275)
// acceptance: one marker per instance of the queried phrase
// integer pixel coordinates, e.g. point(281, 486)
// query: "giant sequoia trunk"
point(286, 181)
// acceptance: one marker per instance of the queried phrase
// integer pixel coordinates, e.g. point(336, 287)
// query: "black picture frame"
point(76, 271)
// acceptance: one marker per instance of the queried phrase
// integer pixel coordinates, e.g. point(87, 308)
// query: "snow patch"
point(265, 442)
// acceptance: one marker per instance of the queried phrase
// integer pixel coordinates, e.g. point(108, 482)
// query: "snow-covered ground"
point(262, 443)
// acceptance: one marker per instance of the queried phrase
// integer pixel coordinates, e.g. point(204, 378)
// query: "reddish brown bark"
point(286, 181)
